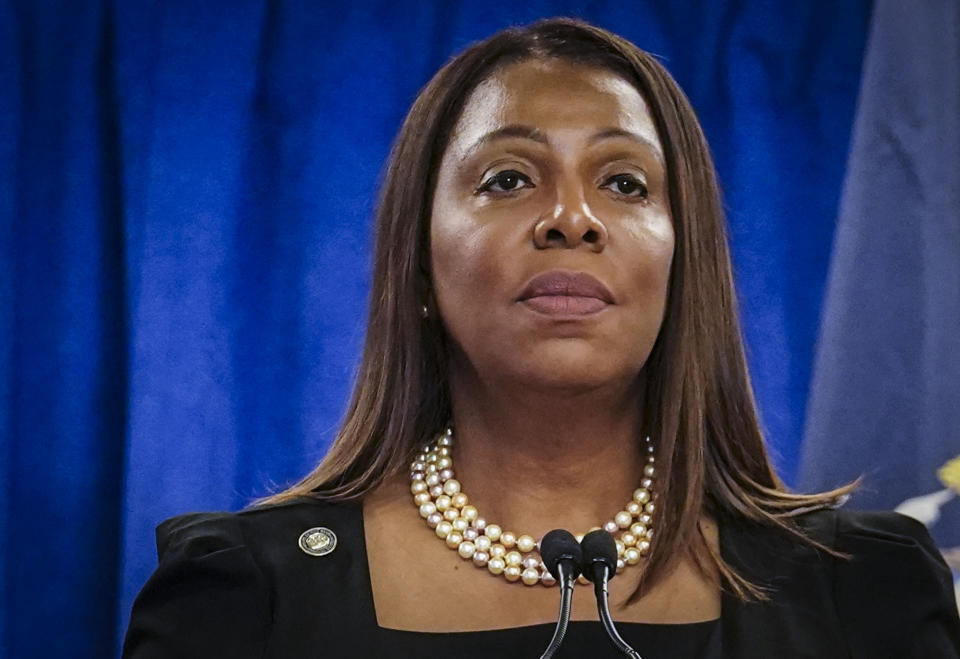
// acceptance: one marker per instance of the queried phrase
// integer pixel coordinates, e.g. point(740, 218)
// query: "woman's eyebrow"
point(536, 135)
point(511, 130)
point(610, 133)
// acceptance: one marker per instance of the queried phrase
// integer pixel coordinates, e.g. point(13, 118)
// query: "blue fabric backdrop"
point(185, 200)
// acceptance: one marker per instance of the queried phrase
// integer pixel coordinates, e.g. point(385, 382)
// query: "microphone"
point(599, 566)
point(563, 558)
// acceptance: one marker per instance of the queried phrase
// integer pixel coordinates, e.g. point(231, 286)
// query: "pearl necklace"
point(448, 512)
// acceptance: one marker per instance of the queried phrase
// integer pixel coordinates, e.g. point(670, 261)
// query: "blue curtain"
point(185, 200)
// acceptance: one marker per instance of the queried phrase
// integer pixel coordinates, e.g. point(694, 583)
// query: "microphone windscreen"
point(559, 545)
point(599, 547)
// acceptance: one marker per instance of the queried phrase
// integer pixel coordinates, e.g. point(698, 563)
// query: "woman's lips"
point(565, 305)
point(566, 293)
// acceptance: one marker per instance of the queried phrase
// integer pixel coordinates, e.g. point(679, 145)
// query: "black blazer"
point(238, 585)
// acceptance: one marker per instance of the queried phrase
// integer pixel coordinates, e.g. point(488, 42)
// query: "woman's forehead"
point(555, 98)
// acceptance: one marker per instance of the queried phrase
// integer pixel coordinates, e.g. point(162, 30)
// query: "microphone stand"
point(600, 577)
point(563, 618)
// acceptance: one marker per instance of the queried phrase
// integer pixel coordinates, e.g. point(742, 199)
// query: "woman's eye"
point(627, 184)
point(508, 180)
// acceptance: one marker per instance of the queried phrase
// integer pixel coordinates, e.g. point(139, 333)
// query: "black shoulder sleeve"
point(895, 594)
point(207, 597)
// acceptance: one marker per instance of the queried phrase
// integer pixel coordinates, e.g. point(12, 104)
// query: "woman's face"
point(551, 236)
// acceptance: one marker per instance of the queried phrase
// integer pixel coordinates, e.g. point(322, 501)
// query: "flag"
point(885, 393)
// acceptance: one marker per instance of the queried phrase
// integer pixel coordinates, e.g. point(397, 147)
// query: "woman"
point(552, 333)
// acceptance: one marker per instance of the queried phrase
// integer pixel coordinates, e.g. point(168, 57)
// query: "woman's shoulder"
point(225, 580)
point(886, 582)
point(200, 533)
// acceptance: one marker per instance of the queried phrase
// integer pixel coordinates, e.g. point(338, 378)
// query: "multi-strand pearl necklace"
point(447, 510)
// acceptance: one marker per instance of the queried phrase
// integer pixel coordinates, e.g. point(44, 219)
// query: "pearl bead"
point(621, 547)
point(498, 551)
point(641, 496)
point(431, 468)
point(512, 572)
point(650, 508)
point(631, 555)
point(444, 529)
point(421, 498)
point(525, 543)
point(459, 500)
point(451, 487)
point(443, 502)
point(469, 513)
point(508, 539)
point(417, 475)
point(583, 580)
point(418, 486)
point(620, 565)
point(470, 533)
point(466, 549)
point(530, 576)
point(454, 539)
point(450, 514)
point(445, 440)
point(443, 451)
point(514, 558)
point(483, 542)
point(445, 475)
point(645, 519)
point(643, 546)
point(480, 558)
point(578, 537)
point(628, 538)
point(480, 523)
point(432, 479)
point(427, 509)
point(444, 463)
point(633, 508)
point(434, 520)
point(436, 491)
point(418, 465)
point(492, 531)
point(610, 526)
point(623, 519)
point(547, 579)
point(496, 565)
point(649, 534)
point(646, 483)
point(531, 562)
point(651, 459)
point(649, 471)
point(638, 529)
point(460, 525)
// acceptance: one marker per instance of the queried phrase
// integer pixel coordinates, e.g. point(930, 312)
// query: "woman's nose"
point(570, 224)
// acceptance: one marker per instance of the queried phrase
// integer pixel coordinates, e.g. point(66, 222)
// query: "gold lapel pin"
point(318, 541)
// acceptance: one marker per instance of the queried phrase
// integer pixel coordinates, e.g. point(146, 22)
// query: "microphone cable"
point(599, 566)
point(563, 558)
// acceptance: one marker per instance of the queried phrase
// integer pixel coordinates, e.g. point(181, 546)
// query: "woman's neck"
point(533, 459)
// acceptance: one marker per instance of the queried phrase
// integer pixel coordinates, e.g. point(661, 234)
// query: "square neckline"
point(371, 613)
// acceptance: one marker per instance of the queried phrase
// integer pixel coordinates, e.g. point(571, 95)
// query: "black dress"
point(239, 586)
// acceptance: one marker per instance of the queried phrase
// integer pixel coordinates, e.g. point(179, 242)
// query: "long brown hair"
point(698, 402)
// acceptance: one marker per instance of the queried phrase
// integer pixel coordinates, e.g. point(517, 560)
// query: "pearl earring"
point(424, 311)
